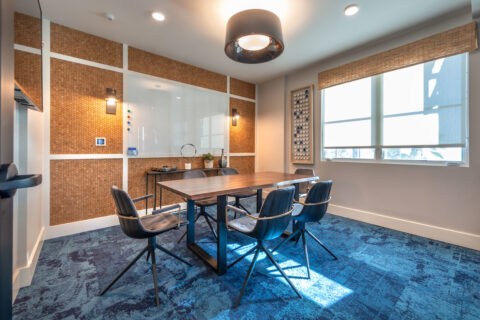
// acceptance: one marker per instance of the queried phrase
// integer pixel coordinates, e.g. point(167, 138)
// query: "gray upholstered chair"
point(202, 204)
point(268, 224)
point(313, 209)
point(238, 195)
point(146, 227)
point(304, 186)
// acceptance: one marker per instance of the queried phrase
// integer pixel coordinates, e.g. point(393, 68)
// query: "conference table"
point(220, 186)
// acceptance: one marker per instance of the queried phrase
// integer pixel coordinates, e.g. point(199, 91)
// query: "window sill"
point(403, 162)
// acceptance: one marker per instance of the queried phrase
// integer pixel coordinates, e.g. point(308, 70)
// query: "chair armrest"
point(238, 210)
point(148, 196)
point(164, 209)
point(254, 217)
point(172, 207)
point(314, 203)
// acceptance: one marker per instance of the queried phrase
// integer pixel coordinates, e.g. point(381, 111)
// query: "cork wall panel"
point(155, 65)
point(78, 109)
point(242, 136)
point(82, 45)
point(242, 88)
point(80, 189)
point(243, 164)
point(28, 74)
point(137, 168)
point(27, 30)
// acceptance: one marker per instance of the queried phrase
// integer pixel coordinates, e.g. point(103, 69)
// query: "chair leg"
point(185, 233)
point(148, 255)
point(285, 240)
point(269, 255)
point(304, 240)
point(173, 255)
point(154, 271)
point(249, 273)
point(320, 243)
point(209, 224)
point(124, 270)
point(243, 256)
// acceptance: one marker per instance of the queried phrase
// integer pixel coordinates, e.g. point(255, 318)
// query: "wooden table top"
point(201, 188)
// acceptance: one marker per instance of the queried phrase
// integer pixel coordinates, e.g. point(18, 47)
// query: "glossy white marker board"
point(165, 115)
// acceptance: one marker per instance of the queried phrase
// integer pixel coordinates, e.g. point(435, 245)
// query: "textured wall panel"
point(242, 88)
point(80, 189)
point(242, 136)
point(28, 73)
point(28, 31)
point(78, 106)
point(137, 168)
point(155, 65)
point(243, 164)
point(82, 45)
point(455, 41)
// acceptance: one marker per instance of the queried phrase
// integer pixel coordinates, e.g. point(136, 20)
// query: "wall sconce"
point(111, 101)
point(235, 117)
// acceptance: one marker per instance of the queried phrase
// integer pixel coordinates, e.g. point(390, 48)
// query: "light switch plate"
point(100, 142)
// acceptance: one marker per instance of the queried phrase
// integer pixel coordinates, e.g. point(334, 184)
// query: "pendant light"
point(254, 36)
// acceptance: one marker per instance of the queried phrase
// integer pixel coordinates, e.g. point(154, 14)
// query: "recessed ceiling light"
point(178, 98)
point(109, 16)
point(158, 16)
point(350, 10)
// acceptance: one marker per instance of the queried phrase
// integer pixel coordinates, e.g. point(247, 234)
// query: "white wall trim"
point(242, 98)
point(125, 119)
point(456, 237)
point(85, 62)
point(22, 276)
point(85, 156)
point(20, 47)
point(71, 228)
point(242, 154)
point(67, 229)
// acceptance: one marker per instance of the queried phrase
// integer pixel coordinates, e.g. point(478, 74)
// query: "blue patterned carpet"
point(380, 274)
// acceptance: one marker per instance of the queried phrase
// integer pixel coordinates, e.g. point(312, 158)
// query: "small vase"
point(208, 164)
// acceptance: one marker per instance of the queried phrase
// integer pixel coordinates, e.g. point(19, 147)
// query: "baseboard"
point(460, 238)
point(67, 229)
point(22, 277)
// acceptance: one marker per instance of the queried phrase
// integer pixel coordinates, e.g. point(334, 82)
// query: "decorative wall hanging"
point(301, 114)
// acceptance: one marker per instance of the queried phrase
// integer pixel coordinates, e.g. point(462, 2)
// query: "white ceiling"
point(194, 30)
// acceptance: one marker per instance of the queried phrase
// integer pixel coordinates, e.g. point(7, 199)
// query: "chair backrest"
point(228, 171)
point(194, 174)
point(277, 202)
point(303, 187)
point(126, 208)
point(319, 192)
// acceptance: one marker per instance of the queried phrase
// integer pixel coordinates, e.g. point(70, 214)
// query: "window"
point(419, 113)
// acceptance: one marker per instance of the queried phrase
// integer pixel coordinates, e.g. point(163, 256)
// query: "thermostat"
point(100, 142)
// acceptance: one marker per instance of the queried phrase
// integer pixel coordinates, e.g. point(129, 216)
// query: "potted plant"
point(207, 160)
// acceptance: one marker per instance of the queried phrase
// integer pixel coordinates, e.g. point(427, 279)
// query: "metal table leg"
point(154, 192)
point(160, 178)
point(259, 199)
point(191, 222)
point(146, 192)
point(296, 196)
point(221, 235)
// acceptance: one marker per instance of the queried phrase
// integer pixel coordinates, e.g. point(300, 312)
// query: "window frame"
point(377, 127)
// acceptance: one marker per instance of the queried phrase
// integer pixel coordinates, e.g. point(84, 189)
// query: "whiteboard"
point(165, 115)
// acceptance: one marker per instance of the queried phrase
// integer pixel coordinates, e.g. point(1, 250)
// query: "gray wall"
point(445, 197)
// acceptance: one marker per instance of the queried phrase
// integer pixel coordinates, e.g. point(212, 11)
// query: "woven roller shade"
point(455, 41)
